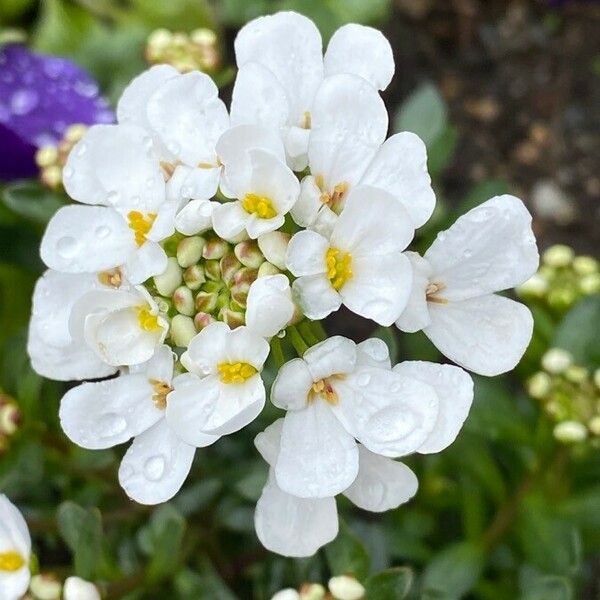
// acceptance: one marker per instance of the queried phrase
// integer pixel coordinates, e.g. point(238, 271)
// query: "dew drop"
point(112, 197)
point(67, 246)
point(102, 232)
point(81, 149)
point(363, 379)
point(154, 467)
point(111, 424)
point(68, 172)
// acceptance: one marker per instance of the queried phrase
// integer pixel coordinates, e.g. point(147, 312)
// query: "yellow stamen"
point(333, 199)
point(140, 224)
point(112, 278)
point(339, 267)
point(11, 561)
point(236, 372)
point(168, 168)
point(325, 390)
point(431, 293)
point(161, 389)
point(146, 320)
point(306, 120)
point(260, 206)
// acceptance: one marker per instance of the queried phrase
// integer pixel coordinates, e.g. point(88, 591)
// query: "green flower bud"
point(556, 360)
point(45, 587)
point(164, 305)
point(570, 432)
point(242, 281)
point(10, 417)
point(194, 277)
point(183, 301)
point(212, 270)
point(215, 249)
point(594, 425)
point(539, 385)
point(202, 319)
point(182, 330)
point(189, 251)
point(597, 378)
point(267, 269)
point(585, 265)
point(561, 298)
point(206, 302)
point(590, 284)
point(229, 265)
point(231, 317)
point(312, 591)
point(166, 283)
point(576, 374)
point(536, 286)
point(248, 254)
point(558, 256)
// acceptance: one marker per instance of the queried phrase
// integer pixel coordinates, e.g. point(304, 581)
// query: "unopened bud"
point(182, 330)
point(585, 265)
point(536, 285)
point(590, 284)
point(163, 305)
point(576, 374)
point(287, 594)
point(46, 156)
point(202, 319)
point(212, 270)
point(274, 245)
point(10, 417)
point(345, 587)
point(79, 589)
point(75, 132)
point(242, 281)
point(561, 298)
point(45, 587)
point(248, 254)
point(166, 283)
point(194, 277)
point(539, 385)
point(215, 249)
point(267, 269)
point(312, 591)
point(231, 317)
point(594, 425)
point(229, 265)
point(556, 360)
point(206, 302)
point(183, 300)
point(189, 251)
point(570, 432)
point(558, 256)
point(597, 378)
point(51, 176)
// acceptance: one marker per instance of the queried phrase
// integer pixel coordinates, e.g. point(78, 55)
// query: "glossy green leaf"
point(347, 554)
point(32, 201)
point(392, 583)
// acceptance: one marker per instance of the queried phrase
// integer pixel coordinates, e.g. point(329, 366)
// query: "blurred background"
point(506, 96)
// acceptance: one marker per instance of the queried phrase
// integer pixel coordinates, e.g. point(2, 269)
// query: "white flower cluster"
point(200, 235)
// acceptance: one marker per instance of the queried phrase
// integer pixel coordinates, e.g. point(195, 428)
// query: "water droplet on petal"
point(112, 197)
point(111, 424)
point(67, 246)
point(68, 172)
point(102, 232)
point(363, 379)
point(154, 467)
point(81, 149)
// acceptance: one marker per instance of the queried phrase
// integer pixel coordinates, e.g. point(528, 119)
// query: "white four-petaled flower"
point(15, 551)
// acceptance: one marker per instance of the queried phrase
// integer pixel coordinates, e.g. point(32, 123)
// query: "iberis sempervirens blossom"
point(203, 243)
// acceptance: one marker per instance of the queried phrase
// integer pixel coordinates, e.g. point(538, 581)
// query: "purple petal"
point(16, 156)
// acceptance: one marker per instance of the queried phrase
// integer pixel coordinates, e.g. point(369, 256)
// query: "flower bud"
point(166, 283)
point(202, 319)
point(248, 254)
point(539, 385)
point(594, 425)
point(229, 265)
point(74, 133)
point(597, 378)
point(215, 249)
point(206, 302)
point(212, 270)
point(51, 176)
point(273, 246)
point(561, 298)
point(558, 256)
point(194, 277)
point(231, 317)
point(184, 301)
point(536, 285)
point(267, 269)
point(345, 587)
point(79, 589)
point(10, 417)
point(576, 374)
point(45, 587)
point(287, 594)
point(556, 360)
point(182, 330)
point(312, 591)
point(570, 432)
point(590, 284)
point(46, 156)
point(189, 251)
point(585, 265)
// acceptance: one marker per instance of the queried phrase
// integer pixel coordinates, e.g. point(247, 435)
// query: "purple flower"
point(40, 97)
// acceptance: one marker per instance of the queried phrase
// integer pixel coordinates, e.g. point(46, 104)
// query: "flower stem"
point(277, 352)
point(300, 346)
point(307, 332)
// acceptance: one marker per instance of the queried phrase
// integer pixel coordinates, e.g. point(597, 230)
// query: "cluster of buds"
point(10, 417)
point(45, 586)
point(342, 587)
point(207, 279)
point(570, 395)
point(194, 51)
point(562, 279)
point(51, 159)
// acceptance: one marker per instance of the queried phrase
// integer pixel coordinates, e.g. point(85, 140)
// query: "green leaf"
point(538, 586)
point(81, 529)
point(455, 570)
point(179, 15)
point(441, 150)
point(205, 585)
point(30, 200)
point(578, 335)
point(392, 583)
point(165, 535)
point(480, 193)
point(424, 112)
point(347, 555)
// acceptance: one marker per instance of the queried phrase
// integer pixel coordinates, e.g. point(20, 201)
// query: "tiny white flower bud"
point(45, 587)
point(585, 265)
point(312, 591)
point(166, 283)
point(576, 374)
point(46, 156)
point(267, 269)
point(556, 360)
point(189, 251)
point(536, 285)
point(248, 253)
point(345, 587)
point(183, 301)
point(79, 589)
point(287, 594)
point(570, 432)
point(590, 284)
point(539, 385)
point(558, 255)
point(274, 245)
point(182, 330)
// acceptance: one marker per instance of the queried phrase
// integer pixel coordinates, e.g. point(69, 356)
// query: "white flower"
point(15, 551)
point(489, 249)
point(333, 396)
point(361, 265)
point(255, 174)
point(223, 391)
point(347, 148)
point(104, 414)
point(344, 587)
point(281, 68)
point(79, 589)
point(269, 307)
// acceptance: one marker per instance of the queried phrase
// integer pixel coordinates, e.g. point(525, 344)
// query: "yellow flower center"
point(161, 389)
point(236, 372)
point(11, 561)
point(146, 320)
point(140, 224)
point(112, 278)
point(260, 206)
point(325, 390)
point(432, 293)
point(339, 267)
point(333, 199)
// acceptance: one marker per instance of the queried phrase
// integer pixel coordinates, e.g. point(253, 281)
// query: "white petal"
point(195, 217)
point(155, 465)
point(269, 306)
point(349, 123)
point(290, 46)
point(296, 140)
point(150, 259)
point(318, 458)
point(487, 335)
point(291, 526)
point(489, 249)
point(334, 356)
point(400, 168)
point(189, 117)
point(229, 219)
point(273, 246)
point(75, 233)
point(363, 51)
point(382, 483)
point(202, 182)
point(306, 254)
point(267, 442)
point(309, 204)
point(13, 527)
point(315, 296)
point(454, 388)
point(292, 384)
point(258, 98)
point(207, 349)
point(14, 584)
point(373, 352)
point(245, 345)
point(107, 413)
point(379, 287)
point(415, 315)
point(159, 367)
point(388, 413)
point(131, 107)
point(372, 223)
point(255, 226)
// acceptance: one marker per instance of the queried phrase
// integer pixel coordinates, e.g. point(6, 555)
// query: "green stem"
point(318, 330)
point(277, 352)
point(300, 346)
point(307, 333)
